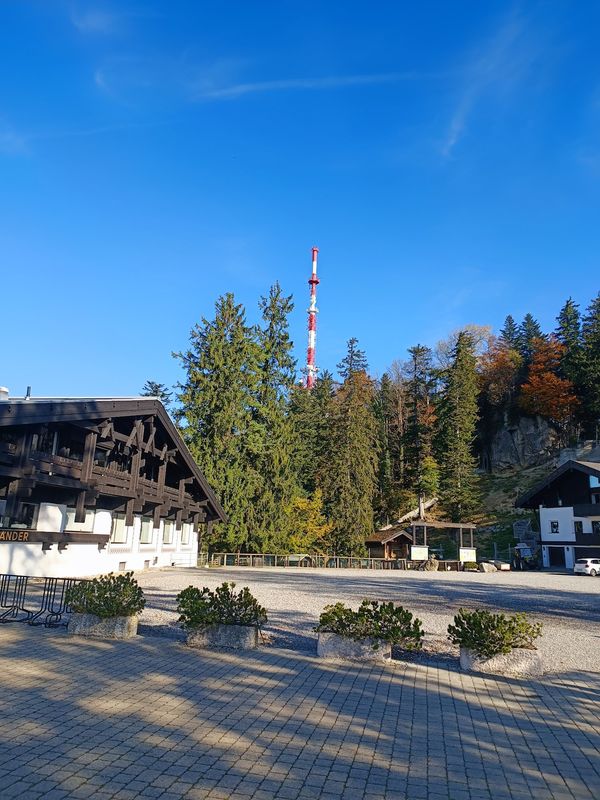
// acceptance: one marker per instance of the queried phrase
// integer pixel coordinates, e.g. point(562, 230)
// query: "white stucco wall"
point(82, 560)
point(566, 528)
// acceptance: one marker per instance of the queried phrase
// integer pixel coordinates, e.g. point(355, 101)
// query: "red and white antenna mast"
point(311, 369)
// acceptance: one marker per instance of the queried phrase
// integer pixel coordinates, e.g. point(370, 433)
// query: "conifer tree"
point(349, 478)
point(421, 466)
point(459, 491)
point(383, 412)
point(160, 390)
point(590, 366)
point(217, 400)
point(310, 415)
point(354, 360)
point(529, 331)
point(568, 333)
point(509, 334)
point(275, 461)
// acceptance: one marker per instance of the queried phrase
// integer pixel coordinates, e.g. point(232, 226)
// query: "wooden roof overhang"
point(97, 417)
point(384, 537)
point(528, 499)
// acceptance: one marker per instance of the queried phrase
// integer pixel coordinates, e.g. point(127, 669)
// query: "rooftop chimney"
point(3, 393)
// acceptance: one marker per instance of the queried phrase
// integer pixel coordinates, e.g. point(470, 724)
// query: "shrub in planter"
point(223, 618)
point(375, 626)
point(105, 606)
point(496, 642)
point(471, 566)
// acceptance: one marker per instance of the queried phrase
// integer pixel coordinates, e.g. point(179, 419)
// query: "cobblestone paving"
point(151, 718)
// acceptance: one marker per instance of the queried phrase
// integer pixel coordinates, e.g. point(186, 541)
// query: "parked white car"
point(587, 566)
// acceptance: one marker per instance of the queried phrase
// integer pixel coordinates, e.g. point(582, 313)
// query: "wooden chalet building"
point(89, 486)
point(568, 502)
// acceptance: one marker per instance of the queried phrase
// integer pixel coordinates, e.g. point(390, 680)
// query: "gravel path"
point(568, 605)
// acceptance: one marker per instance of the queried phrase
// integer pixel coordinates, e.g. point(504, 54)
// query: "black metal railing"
point(35, 601)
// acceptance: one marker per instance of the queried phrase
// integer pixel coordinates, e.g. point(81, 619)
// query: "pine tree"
point(160, 390)
point(310, 415)
point(350, 481)
point(383, 408)
point(216, 418)
point(458, 420)
point(509, 334)
point(421, 465)
point(354, 360)
point(568, 333)
point(529, 331)
point(276, 459)
point(349, 477)
point(590, 367)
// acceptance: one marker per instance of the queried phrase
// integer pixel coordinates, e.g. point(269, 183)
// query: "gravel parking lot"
point(568, 605)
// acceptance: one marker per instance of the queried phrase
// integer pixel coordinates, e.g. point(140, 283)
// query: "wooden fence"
point(329, 562)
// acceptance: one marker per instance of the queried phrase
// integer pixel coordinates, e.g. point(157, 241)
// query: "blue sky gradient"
point(444, 157)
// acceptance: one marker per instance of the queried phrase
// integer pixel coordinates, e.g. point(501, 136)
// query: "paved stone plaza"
point(151, 718)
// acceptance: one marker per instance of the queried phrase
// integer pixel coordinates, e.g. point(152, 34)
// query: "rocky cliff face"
point(526, 443)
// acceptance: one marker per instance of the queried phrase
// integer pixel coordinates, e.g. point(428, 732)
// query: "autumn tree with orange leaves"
point(547, 394)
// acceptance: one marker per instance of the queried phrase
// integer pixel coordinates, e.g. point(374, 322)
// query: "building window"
point(168, 532)
point(146, 531)
point(119, 531)
point(578, 526)
point(185, 533)
point(28, 516)
point(596, 527)
point(554, 526)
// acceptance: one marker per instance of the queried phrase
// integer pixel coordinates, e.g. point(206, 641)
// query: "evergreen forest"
point(318, 471)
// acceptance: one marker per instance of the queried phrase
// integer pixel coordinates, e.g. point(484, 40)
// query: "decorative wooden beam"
point(80, 507)
point(129, 511)
point(89, 452)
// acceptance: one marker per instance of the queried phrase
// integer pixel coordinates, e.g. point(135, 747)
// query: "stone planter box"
point(526, 663)
point(103, 628)
point(224, 637)
point(335, 647)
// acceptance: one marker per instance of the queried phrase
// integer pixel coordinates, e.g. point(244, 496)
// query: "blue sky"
point(444, 157)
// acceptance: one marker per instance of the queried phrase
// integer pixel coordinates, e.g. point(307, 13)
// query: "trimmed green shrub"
point(489, 634)
point(471, 565)
point(374, 619)
point(107, 596)
point(201, 607)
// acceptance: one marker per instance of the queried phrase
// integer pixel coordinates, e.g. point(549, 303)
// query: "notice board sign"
point(467, 554)
point(419, 553)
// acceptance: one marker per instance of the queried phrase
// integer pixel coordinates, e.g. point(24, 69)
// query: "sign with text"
point(419, 553)
point(467, 554)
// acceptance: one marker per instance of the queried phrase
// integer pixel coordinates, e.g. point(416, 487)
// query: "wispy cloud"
point(12, 143)
point(94, 21)
point(497, 67)
point(292, 84)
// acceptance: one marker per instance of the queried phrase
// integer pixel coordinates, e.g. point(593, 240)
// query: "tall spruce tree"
point(590, 367)
point(509, 334)
point(349, 480)
point(310, 415)
point(216, 414)
point(568, 333)
point(384, 410)
point(354, 360)
point(160, 390)
point(458, 412)
point(275, 460)
point(529, 331)
point(421, 466)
